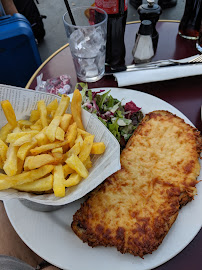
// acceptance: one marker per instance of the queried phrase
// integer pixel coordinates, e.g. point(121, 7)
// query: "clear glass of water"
point(87, 41)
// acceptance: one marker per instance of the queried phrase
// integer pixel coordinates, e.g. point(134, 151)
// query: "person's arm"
point(9, 7)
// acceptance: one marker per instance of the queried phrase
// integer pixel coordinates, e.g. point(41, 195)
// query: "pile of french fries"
point(49, 152)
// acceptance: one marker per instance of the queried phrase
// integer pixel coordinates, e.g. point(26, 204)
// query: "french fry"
point(60, 134)
point(5, 130)
point(65, 121)
point(98, 148)
point(76, 108)
point(43, 112)
point(25, 123)
point(83, 133)
point(41, 138)
point(64, 103)
point(58, 181)
point(52, 107)
point(41, 185)
point(79, 139)
point(57, 150)
point(47, 147)
point(88, 163)
point(11, 165)
point(51, 129)
point(75, 150)
point(25, 177)
point(73, 180)
point(67, 170)
point(9, 113)
point(86, 148)
point(25, 139)
point(3, 150)
point(20, 165)
point(1, 164)
point(25, 148)
point(75, 163)
point(12, 137)
point(37, 125)
point(33, 162)
point(71, 134)
point(34, 116)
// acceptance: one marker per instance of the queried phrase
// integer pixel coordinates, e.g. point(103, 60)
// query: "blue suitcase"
point(19, 55)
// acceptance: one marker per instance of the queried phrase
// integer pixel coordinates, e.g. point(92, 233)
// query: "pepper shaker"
point(143, 49)
point(152, 12)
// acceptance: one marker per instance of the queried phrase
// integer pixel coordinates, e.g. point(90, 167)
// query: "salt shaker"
point(143, 49)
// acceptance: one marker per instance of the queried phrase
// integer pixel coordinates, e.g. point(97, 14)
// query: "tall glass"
point(191, 20)
point(87, 40)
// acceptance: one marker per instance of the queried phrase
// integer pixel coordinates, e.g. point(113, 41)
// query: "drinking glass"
point(87, 41)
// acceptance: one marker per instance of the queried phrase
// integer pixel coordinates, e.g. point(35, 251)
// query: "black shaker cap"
point(146, 28)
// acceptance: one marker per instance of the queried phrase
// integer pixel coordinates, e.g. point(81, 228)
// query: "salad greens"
point(120, 119)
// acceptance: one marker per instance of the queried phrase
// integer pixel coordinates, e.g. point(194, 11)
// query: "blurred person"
point(7, 7)
point(163, 3)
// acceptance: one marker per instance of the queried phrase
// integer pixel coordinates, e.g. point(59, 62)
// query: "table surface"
point(185, 94)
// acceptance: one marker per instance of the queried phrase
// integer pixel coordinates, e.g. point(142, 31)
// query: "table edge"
point(43, 64)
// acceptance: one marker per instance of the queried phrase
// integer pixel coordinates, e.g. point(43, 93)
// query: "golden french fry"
point(82, 133)
point(9, 112)
point(34, 116)
point(73, 180)
point(51, 129)
point(25, 123)
point(58, 181)
point(98, 148)
point(75, 150)
point(41, 138)
point(60, 134)
point(71, 134)
point(33, 162)
point(5, 130)
point(25, 148)
point(52, 106)
point(76, 108)
point(43, 184)
point(25, 177)
point(86, 148)
point(75, 163)
point(88, 163)
point(58, 158)
point(1, 163)
point(20, 164)
point(67, 170)
point(47, 147)
point(3, 150)
point(12, 137)
point(11, 164)
point(57, 150)
point(37, 125)
point(43, 112)
point(79, 139)
point(25, 139)
point(64, 103)
point(65, 121)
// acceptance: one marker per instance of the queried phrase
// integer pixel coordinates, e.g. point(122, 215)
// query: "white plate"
point(51, 237)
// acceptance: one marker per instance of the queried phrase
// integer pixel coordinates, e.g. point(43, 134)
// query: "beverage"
point(199, 41)
point(87, 41)
point(191, 20)
point(88, 48)
point(117, 14)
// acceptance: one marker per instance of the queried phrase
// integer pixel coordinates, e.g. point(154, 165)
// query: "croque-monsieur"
point(135, 207)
